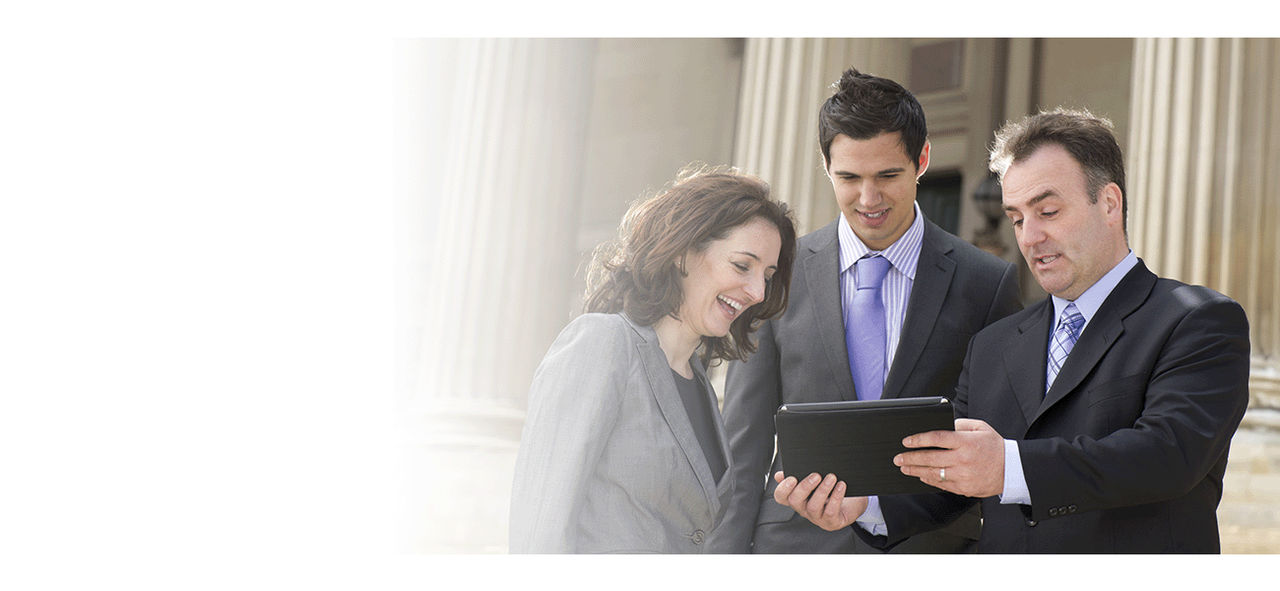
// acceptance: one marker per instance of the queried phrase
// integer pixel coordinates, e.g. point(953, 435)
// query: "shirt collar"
point(903, 254)
point(1092, 298)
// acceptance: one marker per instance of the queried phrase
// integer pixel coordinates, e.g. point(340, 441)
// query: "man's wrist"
point(1015, 489)
point(872, 519)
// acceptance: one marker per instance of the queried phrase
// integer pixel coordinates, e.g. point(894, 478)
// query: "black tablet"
point(857, 440)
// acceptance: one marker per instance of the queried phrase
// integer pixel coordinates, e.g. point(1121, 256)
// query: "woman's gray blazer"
point(608, 460)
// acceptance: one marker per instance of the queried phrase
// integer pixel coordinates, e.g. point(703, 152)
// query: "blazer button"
point(1031, 523)
point(1071, 509)
point(1053, 512)
point(697, 536)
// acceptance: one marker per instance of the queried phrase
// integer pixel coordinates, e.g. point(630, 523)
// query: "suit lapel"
point(1024, 359)
point(1100, 334)
point(928, 291)
point(663, 387)
point(822, 278)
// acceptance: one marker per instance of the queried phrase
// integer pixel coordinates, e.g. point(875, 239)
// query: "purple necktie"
point(864, 333)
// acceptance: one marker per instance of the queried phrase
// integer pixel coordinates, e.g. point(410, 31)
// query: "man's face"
point(1068, 242)
point(875, 185)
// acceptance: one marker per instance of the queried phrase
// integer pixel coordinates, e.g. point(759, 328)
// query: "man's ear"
point(923, 162)
point(1113, 201)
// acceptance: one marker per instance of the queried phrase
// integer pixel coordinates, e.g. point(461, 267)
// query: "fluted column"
point(499, 234)
point(784, 83)
point(1203, 167)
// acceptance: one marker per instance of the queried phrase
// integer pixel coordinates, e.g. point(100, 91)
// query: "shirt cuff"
point(872, 519)
point(1015, 482)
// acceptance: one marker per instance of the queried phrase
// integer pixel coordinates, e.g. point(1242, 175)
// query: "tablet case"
point(857, 440)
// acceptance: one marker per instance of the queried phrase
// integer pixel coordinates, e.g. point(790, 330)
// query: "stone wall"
point(1249, 516)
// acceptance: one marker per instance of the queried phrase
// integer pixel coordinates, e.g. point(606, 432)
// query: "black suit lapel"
point(1101, 333)
point(928, 291)
point(822, 278)
point(1024, 359)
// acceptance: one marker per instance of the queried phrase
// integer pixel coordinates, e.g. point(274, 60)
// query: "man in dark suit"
point(1098, 420)
point(930, 293)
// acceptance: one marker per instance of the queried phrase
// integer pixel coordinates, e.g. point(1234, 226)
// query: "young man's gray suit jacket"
point(958, 290)
point(609, 461)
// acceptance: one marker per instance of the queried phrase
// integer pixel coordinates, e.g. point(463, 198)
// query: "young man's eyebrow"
point(897, 169)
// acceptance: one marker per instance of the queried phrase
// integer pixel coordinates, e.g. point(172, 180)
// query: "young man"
point(882, 305)
point(1097, 420)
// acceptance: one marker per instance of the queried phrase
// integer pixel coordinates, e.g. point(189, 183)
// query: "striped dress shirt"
point(903, 255)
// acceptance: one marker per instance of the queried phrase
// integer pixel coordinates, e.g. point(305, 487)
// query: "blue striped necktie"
point(1064, 339)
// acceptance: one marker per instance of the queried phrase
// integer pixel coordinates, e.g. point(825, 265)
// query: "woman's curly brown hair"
point(640, 272)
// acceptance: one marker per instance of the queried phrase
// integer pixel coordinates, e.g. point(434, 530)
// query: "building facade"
point(515, 157)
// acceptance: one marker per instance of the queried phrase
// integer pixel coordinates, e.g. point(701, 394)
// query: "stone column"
point(1204, 147)
point(485, 252)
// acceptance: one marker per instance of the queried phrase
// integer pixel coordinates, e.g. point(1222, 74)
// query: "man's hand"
point(971, 462)
point(826, 507)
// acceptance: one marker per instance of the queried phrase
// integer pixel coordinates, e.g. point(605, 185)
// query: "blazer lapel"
point(663, 388)
point(928, 291)
point(1024, 359)
point(1100, 334)
point(822, 278)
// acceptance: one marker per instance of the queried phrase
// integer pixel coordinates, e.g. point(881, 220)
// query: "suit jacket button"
point(1031, 523)
point(1071, 509)
point(1053, 512)
point(697, 536)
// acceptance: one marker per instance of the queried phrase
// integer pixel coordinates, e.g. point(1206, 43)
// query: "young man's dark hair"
point(865, 106)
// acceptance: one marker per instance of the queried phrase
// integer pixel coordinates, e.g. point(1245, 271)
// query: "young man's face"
point(1068, 242)
point(875, 186)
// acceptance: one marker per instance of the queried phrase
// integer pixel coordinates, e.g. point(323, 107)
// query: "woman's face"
point(728, 277)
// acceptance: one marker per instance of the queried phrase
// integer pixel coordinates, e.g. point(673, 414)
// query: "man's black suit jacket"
point(1127, 451)
point(958, 289)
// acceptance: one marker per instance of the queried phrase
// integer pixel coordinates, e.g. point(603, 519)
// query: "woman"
point(623, 448)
